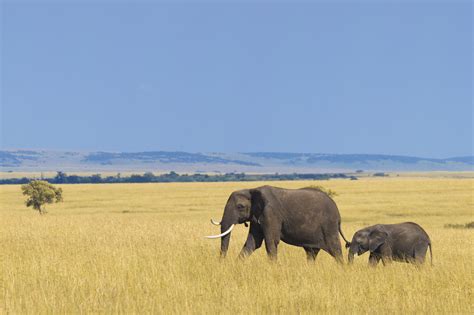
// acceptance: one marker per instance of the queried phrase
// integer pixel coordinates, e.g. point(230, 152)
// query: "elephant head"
point(368, 239)
point(242, 206)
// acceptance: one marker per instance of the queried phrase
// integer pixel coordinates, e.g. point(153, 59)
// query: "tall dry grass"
point(138, 248)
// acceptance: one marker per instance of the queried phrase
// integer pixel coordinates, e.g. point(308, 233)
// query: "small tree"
point(39, 193)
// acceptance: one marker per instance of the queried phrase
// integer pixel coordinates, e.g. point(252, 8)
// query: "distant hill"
point(109, 158)
point(256, 162)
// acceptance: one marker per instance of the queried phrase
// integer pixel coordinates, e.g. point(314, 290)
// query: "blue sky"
point(367, 77)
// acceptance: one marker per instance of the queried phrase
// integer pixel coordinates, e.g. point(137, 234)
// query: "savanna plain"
point(139, 248)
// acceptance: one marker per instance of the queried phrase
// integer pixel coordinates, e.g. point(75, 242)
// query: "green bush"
point(329, 192)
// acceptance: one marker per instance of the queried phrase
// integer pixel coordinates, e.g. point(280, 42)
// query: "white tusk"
point(215, 222)
point(222, 234)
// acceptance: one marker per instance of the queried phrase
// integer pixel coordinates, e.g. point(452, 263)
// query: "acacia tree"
point(39, 193)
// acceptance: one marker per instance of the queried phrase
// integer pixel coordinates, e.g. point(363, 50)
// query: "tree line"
point(171, 177)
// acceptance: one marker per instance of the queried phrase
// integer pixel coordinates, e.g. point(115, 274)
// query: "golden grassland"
point(138, 248)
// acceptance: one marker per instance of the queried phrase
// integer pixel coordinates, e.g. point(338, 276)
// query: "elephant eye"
point(240, 206)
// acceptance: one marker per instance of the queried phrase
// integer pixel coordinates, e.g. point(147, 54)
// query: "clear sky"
point(367, 77)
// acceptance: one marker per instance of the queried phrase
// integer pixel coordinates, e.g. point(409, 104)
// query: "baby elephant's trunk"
point(353, 248)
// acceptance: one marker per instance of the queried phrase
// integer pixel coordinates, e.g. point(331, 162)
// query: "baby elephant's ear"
point(376, 239)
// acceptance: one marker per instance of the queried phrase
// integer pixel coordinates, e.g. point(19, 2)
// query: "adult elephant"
point(305, 217)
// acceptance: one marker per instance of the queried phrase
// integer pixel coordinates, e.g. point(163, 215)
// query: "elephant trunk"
point(227, 222)
point(354, 248)
point(225, 245)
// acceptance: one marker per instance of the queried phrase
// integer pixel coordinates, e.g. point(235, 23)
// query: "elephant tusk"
point(215, 222)
point(222, 234)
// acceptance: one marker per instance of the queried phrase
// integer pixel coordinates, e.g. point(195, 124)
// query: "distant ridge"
point(348, 158)
point(161, 156)
point(257, 162)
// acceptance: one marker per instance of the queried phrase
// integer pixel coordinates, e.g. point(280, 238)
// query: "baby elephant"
point(405, 242)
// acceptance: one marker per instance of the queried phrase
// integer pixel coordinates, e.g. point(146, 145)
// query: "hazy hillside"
point(258, 162)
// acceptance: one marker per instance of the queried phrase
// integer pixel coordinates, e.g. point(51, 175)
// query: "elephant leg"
point(254, 240)
point(385, 255)
point(374, 260)
point(311, 253)
point(271, 227)
point(271, 245)
point(334, 249)
point(420, 253)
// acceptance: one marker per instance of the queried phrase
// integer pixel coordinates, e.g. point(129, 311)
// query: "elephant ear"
point(376, 239)
point(257, 199)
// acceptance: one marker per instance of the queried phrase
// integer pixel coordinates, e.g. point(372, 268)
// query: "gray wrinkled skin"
point(304, 217)
point(404, 242)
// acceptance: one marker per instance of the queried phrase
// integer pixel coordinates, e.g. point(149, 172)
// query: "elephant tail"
point(348, 244)
point(431, 254)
